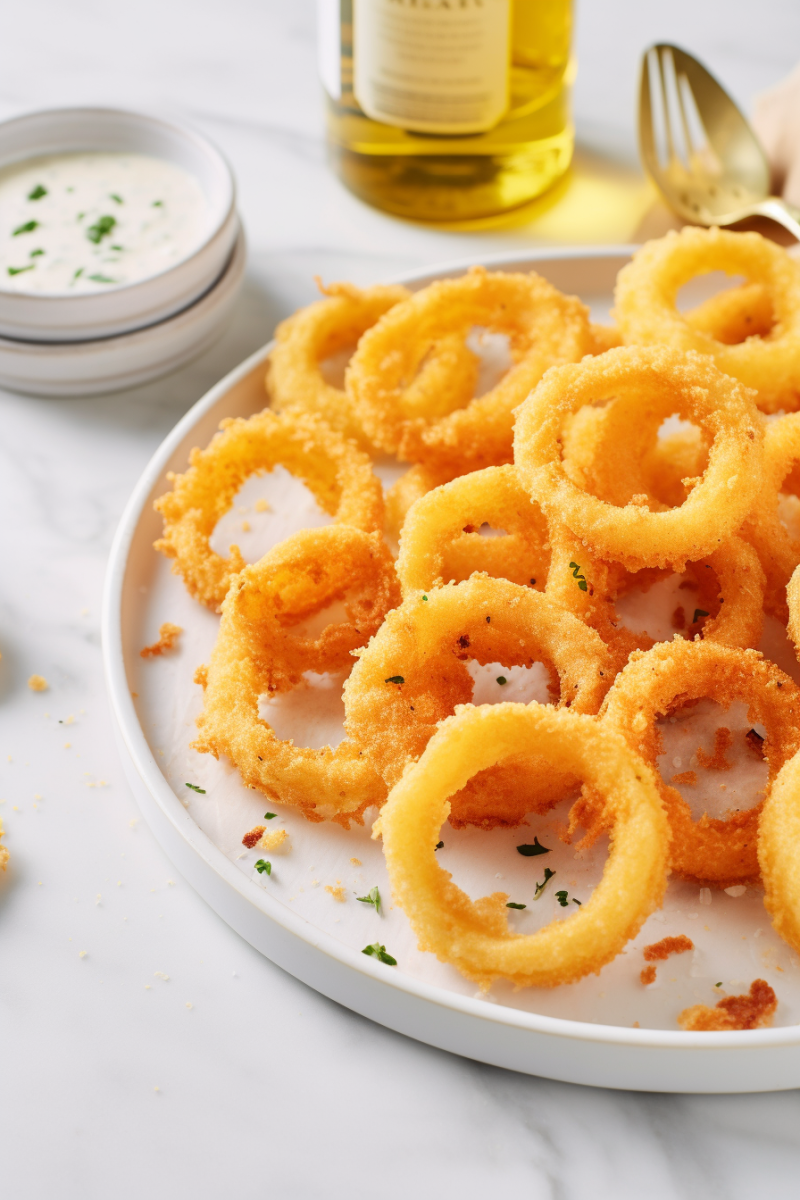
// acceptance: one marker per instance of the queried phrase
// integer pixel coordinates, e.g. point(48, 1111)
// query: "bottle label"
point(432, 66)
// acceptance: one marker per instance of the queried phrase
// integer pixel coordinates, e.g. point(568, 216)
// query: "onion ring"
point(778, 551)
point(413, 674)
point(474, 935)
point(779, 852)
point(645, 306)
point(339, 475)
point(735, 315)
point(659, 381)
point(256, 653)
point(722, 852)
point(316, 332)
point(403, 414)
point(440, 543)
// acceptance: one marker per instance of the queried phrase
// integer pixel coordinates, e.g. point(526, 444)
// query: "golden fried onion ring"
point(339, 475)
point(256, 653)
point(413, 674)
point(474, 935)
point(779, 852)
point(440, 542)
point(653, 684)
point(316, 332)
point(659, 381)
point(646, 313)
point(778, 551)
point(405, 416)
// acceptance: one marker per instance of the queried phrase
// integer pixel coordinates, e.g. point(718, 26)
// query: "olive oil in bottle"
point(447, 110)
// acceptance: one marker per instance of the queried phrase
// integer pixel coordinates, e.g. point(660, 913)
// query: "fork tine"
point(661, 55)
point(682, 79)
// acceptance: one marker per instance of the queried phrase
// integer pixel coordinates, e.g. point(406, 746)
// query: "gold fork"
point(698, 148)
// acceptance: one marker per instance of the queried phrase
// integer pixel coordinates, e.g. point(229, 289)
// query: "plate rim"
point(130, 730)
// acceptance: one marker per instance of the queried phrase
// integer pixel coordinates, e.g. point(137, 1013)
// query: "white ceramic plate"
point(582, 1034)
point(113, 363)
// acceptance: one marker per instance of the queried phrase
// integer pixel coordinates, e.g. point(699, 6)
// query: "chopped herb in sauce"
point(37, 192)
point(531, 851)
point(158, 204)
point(562, 898)
point(101, 279)
point(501, 679)
point(101, 228)
point(379, 952)
point(395, 679)
point(19, 270)
point(77, 274)
point(28, 227)
point(270, 816)
point(117, 247)
point(578, 902)
point(263, 867)
point(36, 253)
point(115, 197)
point(511, 904)
point(548, 875)
point(195, 788)
point(372, 897)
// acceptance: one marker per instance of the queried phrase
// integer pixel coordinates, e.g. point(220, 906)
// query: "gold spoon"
point(698, 148)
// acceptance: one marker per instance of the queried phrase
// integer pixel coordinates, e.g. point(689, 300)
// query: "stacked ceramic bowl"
point(121, 252)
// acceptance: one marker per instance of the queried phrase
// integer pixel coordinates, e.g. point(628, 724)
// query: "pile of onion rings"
point(608, 467)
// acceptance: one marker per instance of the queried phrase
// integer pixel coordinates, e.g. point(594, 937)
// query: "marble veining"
point(145, 1048)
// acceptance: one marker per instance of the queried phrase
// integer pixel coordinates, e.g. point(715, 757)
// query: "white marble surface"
point(229, 1076)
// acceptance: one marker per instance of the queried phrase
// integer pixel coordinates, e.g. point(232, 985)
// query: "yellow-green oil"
point(433, 177)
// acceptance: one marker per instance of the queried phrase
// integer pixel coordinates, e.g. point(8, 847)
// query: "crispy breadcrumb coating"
point(168, 635)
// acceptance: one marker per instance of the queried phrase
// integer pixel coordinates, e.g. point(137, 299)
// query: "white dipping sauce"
point(86, 222)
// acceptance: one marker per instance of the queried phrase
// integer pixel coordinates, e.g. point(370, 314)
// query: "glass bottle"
point(447, 110)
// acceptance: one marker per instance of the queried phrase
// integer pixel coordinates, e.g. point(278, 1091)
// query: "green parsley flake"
point(101, 279)
point(114, 196)
point(580, 578)
point(36, 253)
point(372, 897)
point(270, 816)
point(19, 270)
point(439, 846)
point(28, 227)
point(718, 984)
point(37, 192)
point(501, 679)
point(562, 898)
point(424, 597)
point(195, 788)
point(101, 228)
point(699, 612)
point(578, 902)
point(395, 679)
point(511, 904)
point(158, 204)
point(263, 867)
point(379, 952)
point(532, 851)
point(117, 247)
point(548, 875)
point(77, 274)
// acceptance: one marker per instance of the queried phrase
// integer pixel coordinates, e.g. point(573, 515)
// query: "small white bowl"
point(111, 364)
point(43, 317)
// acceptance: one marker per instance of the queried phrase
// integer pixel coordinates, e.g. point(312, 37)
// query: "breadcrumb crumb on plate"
point(751, 1011)
point(279, 840)
point(168, 635)
point(38, 683)
point(337, 892)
